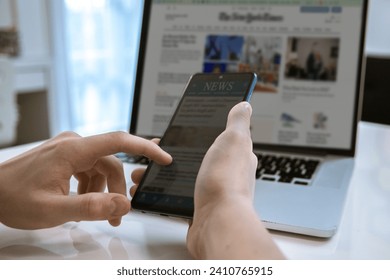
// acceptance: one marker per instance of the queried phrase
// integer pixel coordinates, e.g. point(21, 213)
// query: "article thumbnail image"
point(222, 47)
point(262, 55)
point(313, 59)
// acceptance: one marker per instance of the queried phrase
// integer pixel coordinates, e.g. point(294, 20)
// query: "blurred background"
point(70, 65)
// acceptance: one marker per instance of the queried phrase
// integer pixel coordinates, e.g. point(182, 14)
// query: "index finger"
point(98, 146)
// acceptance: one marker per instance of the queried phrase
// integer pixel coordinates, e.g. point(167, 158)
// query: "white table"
point(364, 232)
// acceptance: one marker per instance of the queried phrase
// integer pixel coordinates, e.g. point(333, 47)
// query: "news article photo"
point(229, 54)
point(313, 59)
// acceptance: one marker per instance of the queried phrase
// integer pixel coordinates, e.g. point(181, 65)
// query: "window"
point(99, 52)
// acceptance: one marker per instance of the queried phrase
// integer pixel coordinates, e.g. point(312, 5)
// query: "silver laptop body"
point(308, 56)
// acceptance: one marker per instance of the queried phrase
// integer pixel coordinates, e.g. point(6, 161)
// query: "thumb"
point(95, 206)
point(239, 116)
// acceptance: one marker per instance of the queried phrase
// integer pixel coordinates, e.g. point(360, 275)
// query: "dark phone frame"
point(359, 89)
point(158, 204)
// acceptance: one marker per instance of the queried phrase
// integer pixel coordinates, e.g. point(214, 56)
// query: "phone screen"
point(198, 120)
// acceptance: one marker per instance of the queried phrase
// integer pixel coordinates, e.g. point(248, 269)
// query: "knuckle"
point(67, 134)
point(254, 160)
point(116, 165)
point(65, 146)
point(238, 136)
point(92, 208)
point(117, 162)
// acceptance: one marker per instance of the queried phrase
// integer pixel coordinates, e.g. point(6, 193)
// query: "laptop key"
point(268, 178)
point(285, 179)
point(284, 169)
point(303, 183)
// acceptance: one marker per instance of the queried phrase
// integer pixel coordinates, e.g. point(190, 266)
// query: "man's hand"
point(225, 225)
point(34, 187)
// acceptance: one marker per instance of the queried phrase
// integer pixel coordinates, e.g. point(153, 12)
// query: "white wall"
point(378, 28)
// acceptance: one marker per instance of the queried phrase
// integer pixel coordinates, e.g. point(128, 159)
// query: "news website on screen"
point(305, 54)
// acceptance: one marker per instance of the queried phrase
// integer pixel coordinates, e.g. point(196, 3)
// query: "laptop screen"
point(307, 56)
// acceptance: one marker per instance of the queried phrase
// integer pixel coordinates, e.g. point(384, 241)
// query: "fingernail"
point(118, 206)
point(170, 158)
point(248, 107)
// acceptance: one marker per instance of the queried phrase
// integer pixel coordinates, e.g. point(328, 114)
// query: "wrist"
point(217, 228)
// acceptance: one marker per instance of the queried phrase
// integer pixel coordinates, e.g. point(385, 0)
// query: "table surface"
point(364, 232)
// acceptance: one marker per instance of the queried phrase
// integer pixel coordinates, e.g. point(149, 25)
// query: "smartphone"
point(199, 118)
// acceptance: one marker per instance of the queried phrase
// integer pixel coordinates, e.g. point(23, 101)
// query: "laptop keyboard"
point(272, 168)
point(285, 169)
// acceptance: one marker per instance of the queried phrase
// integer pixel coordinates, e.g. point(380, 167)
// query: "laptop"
point(308, 56)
